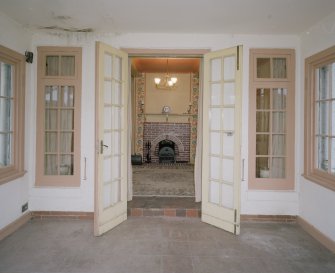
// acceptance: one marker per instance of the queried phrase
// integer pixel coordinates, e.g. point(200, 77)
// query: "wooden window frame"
point(15, 170)
point(312, 173)
point(287, 183)
point(43, 180)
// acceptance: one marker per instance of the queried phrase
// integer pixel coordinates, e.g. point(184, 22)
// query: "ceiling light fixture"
point(167, 82)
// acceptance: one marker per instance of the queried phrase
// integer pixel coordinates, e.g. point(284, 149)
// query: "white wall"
point(81, 199)
point(317, 203)
point(15, 193)
point(68, 199)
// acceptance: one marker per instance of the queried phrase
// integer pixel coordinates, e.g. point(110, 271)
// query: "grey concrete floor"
point(157, 244)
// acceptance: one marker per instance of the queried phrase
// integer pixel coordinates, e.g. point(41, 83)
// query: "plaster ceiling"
point(160, 65)
point(173, 16)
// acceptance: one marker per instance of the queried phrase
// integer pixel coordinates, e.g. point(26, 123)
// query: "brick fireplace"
point(178, 133)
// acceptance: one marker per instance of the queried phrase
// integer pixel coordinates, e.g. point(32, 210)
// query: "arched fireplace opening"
point(166, 151)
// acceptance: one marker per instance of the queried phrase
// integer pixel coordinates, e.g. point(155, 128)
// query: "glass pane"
point(262, 167)
point(229, 93)
point(51, 96)
point(322, 91)
point(50, 119)
point(6, 142)
point(262, 122)
point(214, 167)
point(67, 65)
point(50, 165)
point(116, 192)
point(6, 115)
point(118, 68)
point(228, 119)
point(116, 143)
point(333, 118)
point(263, 68)
point(117, 98)
point(116, 124)
point(107, 117)
point(333, 82)
point(66, 165)
point(214, 192)
point(66, 120)
point(227, 196)
point(116, 167)
point(228, 144)
point(263, 98)
point(322, 118)
point(262, 144)
point(279, 96)
point(67, 96)
point(216, 94)
point(278, 144)
point(322, 152)
point(52, 66)
point(107, 195)
point(278, 122)
point(108, 65)
point(108, 142)
point(50, 145)
point(279, 68)
point(229, 68)
point(278, 167)
point(215, 145)
point(228, 170)
point(6, 85)
point(107, 170)
point(216, 69)
point(66, 142)
point(215, 119)
point(108, 92)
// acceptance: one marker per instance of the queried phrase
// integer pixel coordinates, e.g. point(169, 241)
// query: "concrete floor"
point(158, 244)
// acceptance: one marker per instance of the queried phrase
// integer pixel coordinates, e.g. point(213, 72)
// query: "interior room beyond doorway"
point(164, 131)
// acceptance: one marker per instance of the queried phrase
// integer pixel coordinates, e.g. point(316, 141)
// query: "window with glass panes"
point(58, 119)
point(271, 128)
point(12, 87)
point(320, 118)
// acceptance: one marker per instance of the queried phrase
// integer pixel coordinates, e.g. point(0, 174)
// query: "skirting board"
point(268, 218)
point(318, 235)
point(63, 214)
point(12, 227)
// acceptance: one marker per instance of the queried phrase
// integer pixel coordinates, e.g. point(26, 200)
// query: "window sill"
point(10, 175)
point(324, 180)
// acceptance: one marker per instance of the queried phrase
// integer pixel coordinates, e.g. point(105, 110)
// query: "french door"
point(221, 155)
point(111, 138)
point(222, 139)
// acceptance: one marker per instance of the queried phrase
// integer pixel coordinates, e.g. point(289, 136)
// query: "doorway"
point(165, 119)
point(220, 144)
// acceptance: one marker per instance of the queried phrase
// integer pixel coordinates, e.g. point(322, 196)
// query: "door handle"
point(102, 146)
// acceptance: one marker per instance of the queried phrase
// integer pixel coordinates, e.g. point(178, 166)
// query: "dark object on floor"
point(136, 159)
point(148, 146)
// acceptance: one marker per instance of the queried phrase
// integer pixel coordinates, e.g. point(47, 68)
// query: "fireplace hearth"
point(170, 142)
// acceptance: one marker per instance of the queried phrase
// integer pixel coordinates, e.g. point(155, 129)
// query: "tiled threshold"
point(187, 207)
point(164, 206)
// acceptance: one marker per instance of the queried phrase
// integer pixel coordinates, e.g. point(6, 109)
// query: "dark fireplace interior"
point(166, 151)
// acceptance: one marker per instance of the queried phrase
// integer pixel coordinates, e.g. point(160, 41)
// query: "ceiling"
point(173, 16)
point(164, 65)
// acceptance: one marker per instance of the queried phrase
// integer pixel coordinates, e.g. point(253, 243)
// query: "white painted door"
point(222, 139)
point(111, 138)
